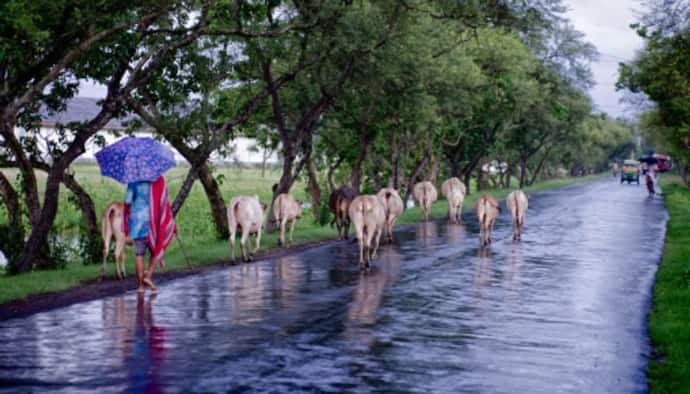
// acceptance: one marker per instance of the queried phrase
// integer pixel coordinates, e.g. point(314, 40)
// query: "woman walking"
point(137, 203)
point(140, 163)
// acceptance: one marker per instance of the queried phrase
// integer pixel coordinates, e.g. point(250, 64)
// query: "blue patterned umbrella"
point(135, 159)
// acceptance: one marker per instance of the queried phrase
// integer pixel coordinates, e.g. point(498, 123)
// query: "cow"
point(111, 227)
point(487, 211)
point(517, 204)
point(425, 194)
point(368, 216)
point(392, 208)
point(339, 202)
point(246, 214)
point(286, 209)
point(454, 191)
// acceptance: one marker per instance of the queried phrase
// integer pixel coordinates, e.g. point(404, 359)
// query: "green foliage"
point(89, 247)
point(325, 214)
point(669, 369)
point(661, 72)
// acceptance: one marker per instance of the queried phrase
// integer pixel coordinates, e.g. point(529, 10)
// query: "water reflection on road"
point(562, 311)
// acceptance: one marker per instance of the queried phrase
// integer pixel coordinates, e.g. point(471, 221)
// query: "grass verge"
point(669, 323)
point(204, 251)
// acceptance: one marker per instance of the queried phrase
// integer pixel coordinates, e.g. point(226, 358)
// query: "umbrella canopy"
point(135, 159)
point(649, 159)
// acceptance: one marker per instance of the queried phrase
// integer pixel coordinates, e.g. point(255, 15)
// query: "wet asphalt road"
point(564, 311)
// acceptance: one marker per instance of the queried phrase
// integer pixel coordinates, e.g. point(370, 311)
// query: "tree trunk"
point(314, 188)
point(539, 167)
point(264, 159)
point(85, 204)
point(507, 177)
point(394, 182)
point(183, 193)
point(480, 178)
point(356, 175)
point(413, 178)
point(523, 173)
point(454, 164)
point(215, 201)
point(11, 200)
point(331, 170)
point(467, 179)
point(435, 169)
point(29, 183)
point(38, 239)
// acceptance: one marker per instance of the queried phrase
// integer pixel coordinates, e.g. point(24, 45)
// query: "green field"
point(669, 323)
point(194, 224)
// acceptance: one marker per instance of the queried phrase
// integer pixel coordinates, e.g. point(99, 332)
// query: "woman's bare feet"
point(150, 284)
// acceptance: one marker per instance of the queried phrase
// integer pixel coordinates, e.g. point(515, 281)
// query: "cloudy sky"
point(606, 25)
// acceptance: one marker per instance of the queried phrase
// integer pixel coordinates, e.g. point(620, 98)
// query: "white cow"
point(425, 194)
point(487, 211)
point(517, 204)
point(454, 191)
point(286, 209)
point(367, 215)
point(246, 214)
point(392, 208)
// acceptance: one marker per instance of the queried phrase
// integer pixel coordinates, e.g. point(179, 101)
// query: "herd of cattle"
point(371, 215)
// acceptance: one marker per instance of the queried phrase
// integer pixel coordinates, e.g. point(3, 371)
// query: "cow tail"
point(388, 204)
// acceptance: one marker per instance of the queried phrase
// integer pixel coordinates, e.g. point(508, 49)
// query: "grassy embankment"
point(194, 224)
point(669, 323)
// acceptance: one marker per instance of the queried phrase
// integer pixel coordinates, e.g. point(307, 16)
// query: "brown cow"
point(286, 209)
point(339, 202)
point(368, 216)
point(454, 191)
point(246, 214)
point(111, 227)
point(517, 204)
point(425, 194)
point(487, 211)
point(392, 207)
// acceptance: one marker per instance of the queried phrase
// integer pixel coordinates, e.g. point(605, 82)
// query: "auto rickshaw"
point(630, 171)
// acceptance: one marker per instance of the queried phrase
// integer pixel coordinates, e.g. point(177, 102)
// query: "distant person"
point(649, 181)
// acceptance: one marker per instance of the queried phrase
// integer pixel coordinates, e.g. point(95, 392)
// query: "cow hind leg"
point(120, 258)
point(258, 240)
point(281, 237)
point(243, 245)
point(377, 240)
point(106, 251)
point(292, 230)
point(232, 245)
point(360, 239)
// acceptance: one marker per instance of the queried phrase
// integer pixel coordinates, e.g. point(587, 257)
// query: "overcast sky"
point(606, 25)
